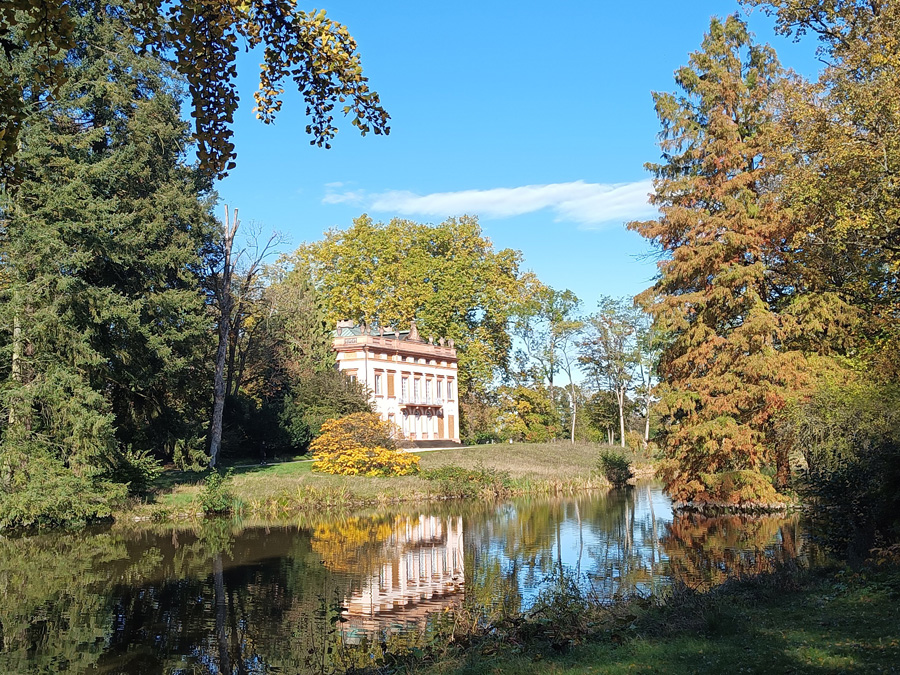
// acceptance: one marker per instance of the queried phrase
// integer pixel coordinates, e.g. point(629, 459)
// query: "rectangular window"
point(404, 389)
point(390, 378)
point(428, 385)
point(377, 384)
point(449, 390)
point(417, 390)
point(440, 391)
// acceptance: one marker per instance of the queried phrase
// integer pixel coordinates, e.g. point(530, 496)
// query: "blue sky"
point(536, 117)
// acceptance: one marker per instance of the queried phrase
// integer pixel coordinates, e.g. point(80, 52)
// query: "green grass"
point(277, 489)
point(824, 624)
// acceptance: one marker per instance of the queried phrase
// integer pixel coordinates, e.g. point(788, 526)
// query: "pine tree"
point(727, 364)
point(107, 327)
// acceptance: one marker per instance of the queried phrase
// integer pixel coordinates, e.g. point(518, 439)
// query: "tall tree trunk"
point(620, 397)
point(647, 416)
point(574, 412)
point(225, 309)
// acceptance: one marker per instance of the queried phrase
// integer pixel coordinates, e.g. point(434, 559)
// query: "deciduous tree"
point(446, 277)
point(727, 363)
point(202, 37)
point(547, 325)
point(610, 353)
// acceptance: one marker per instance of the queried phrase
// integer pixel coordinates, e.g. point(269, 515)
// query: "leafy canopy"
point(446, 277)
point(201, 38)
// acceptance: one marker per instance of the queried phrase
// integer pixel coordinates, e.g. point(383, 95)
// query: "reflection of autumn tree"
point(346, 543)
point(706, 550)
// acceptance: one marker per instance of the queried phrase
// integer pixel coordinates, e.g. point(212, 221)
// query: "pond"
point(257, 597)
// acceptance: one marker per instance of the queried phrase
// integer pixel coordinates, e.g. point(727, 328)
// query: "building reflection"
point(419, 569)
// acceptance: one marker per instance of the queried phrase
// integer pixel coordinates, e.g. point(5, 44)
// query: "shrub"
point(317, 398)
point(216, 497)
point(361, 444)
point(137, 469)
point(615, 467)
point(359, 461)
point(857, 501)
point(848, 435)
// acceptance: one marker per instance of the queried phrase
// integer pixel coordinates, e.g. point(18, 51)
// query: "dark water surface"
point(232, 597)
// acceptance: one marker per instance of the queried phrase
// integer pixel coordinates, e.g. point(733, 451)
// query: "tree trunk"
point(782, 467)
point(574, 412)
point(647, 416)
point(620, 397)
point(225, 309)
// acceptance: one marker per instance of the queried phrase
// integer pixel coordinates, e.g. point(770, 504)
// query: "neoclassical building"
point(413, 381)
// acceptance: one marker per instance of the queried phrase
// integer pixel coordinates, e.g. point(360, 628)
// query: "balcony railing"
point(420, 400)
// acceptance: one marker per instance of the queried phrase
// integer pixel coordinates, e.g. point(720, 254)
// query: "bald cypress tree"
point(721, 297)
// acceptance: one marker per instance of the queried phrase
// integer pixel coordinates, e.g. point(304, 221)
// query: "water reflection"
point(403, 567)
point(248, 598)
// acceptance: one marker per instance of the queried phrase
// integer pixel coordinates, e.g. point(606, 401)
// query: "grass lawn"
point(830, 623)
point(274, 489)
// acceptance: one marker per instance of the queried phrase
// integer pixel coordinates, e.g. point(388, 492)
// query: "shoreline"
point(467, 472)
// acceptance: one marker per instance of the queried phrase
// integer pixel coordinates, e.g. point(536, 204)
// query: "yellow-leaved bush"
point(361, 444)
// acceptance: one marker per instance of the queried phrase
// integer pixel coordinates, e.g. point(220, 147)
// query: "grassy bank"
point(785, 622)
point(279, 490)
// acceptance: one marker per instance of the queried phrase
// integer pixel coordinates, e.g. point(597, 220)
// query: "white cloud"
point(588, 204)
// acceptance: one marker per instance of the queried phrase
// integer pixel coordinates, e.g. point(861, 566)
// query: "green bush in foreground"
point(615, 467)
point(216, 497)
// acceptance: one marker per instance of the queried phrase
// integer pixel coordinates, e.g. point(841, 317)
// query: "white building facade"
point(414, 382)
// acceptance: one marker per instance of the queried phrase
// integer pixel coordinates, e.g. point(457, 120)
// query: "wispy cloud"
point(588, 204)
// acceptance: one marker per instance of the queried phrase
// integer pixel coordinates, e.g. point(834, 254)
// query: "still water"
point(256, 597)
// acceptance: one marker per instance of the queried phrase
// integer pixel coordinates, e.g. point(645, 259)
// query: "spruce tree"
point(106, 328)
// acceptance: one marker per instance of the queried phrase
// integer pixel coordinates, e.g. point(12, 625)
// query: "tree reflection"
point(225, 597)
point(704, 551)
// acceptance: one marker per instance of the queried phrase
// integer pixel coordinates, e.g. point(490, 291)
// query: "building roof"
point(353, 329)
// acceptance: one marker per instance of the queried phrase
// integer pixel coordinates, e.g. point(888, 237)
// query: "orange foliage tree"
point(721, 299)
point(361, 444)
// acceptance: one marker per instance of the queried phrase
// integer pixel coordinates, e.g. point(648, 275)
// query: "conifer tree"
point(106, 327)
point(727, 364)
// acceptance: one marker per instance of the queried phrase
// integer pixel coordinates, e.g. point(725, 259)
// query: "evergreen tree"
point(108, 333)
